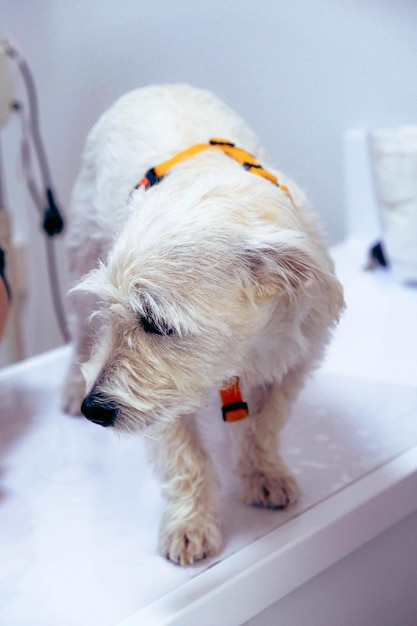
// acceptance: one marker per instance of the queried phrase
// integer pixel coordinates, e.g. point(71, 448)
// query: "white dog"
point(208, 274)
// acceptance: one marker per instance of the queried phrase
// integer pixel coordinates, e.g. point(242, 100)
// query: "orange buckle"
point(233, 409)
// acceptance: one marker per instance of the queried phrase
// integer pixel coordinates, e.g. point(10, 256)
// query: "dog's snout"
point(96, 409)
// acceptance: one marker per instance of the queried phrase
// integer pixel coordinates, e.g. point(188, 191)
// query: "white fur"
point(221, 256)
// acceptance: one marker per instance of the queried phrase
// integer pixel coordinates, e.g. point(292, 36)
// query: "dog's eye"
point(153, 327)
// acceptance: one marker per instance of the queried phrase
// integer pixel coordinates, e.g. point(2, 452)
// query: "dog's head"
point(185, 295)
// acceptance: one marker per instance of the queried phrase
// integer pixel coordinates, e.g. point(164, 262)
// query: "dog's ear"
point(281, 266)
point(92, 282)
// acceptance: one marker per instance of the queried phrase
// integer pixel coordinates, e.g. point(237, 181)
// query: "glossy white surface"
point(80, 508)
point(377, 337)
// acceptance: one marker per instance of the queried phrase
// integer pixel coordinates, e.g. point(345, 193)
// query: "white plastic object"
point(394, 160)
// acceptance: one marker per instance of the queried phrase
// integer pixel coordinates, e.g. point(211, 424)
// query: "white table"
point(79, 507)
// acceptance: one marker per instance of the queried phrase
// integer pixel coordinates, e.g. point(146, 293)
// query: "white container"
point(394, 162)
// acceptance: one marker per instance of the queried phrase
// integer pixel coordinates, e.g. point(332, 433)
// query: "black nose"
point(99, 410)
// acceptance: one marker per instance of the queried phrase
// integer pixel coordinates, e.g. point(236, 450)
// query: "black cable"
point(3, 273)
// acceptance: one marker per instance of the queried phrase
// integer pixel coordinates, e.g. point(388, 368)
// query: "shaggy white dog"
point(214, 275)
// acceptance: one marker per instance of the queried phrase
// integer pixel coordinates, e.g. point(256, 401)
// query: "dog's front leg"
point(267, 481)
point(190, 529)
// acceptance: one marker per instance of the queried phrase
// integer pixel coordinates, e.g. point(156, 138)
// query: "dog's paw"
point(276, 490)
point(72, 394)
point(191, 542)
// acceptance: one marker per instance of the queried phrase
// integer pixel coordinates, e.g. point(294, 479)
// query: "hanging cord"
point(53, 223)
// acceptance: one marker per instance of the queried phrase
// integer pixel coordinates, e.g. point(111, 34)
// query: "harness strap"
point(247, 160)
point(244, 158)
point(155, 174)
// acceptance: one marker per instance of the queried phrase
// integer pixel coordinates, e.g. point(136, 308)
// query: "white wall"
point(300, 71)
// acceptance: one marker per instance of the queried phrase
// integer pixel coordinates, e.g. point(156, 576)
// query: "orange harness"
point(155, 174)
point(233, 409)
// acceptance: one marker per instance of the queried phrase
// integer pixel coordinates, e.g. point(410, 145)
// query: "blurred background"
point(300, 72)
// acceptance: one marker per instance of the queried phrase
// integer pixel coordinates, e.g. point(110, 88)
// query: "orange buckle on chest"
point(233, 409)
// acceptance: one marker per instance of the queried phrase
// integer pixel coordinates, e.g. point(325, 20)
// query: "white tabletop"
point(80, 507)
